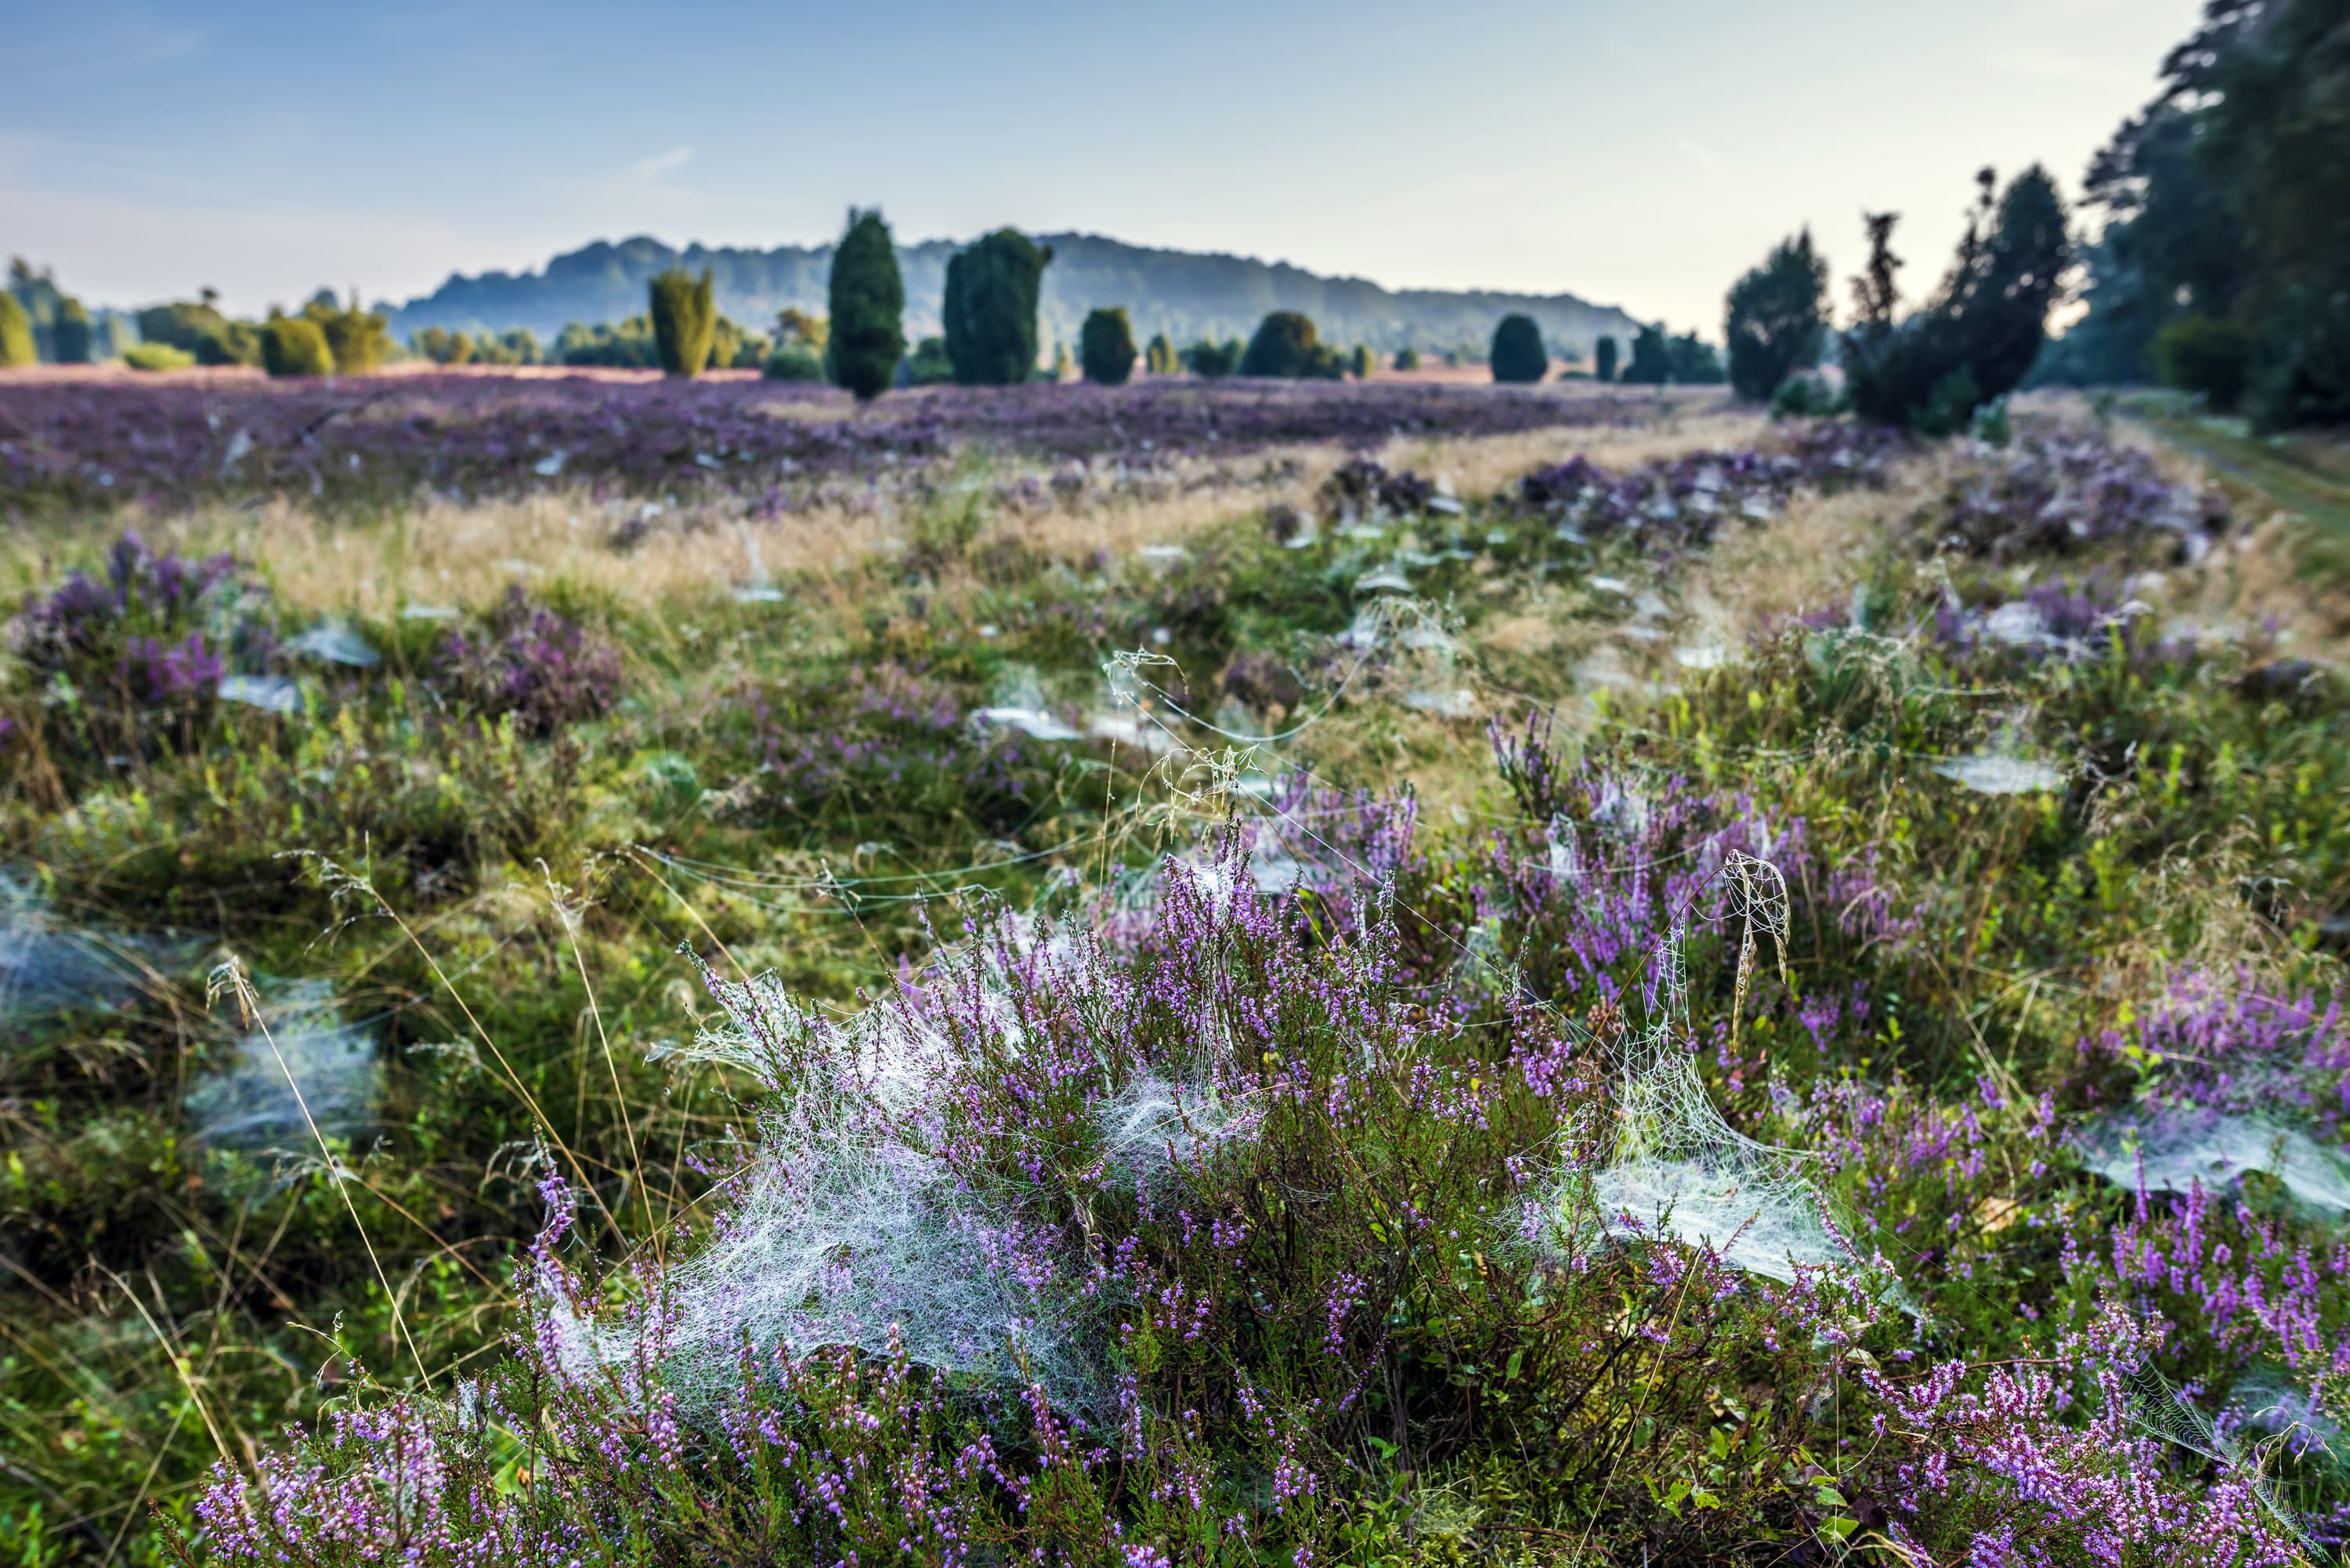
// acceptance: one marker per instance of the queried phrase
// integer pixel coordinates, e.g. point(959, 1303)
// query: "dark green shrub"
point(294, 346)
point(867, 305)
point(793, 362)
point(928, 365)
point(2307, 381)
point(1777, 318)
point(1210, 360)
point(626, 344)
point(201, 330)
point(1603, 359)
point(1287, 345)
point(1284, 346)
point(15, 334)
point(1989, 318)
point(685, 320)
point(1362, 364)
point(1693, 362)
point(1160, 358)
point(990, 308)
point(1106, 346)
point(2211, 358)
point(1517, 356)
point(1806, 397)
point(73, 334)
point(1406, 358)
point(1652, 359)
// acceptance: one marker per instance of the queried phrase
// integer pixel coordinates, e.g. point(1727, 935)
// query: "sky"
point(1636, 154)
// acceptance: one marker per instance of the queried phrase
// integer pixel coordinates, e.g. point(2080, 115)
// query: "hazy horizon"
point(1640, 161)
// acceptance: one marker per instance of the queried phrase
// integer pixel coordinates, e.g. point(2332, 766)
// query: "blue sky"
point(1640, 154)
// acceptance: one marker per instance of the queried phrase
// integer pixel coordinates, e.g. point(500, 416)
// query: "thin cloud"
point(660, 164)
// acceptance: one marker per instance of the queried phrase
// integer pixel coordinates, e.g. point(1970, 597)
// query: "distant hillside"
point(1186, 294)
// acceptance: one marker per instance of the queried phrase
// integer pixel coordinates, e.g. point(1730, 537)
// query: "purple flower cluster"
point(149, 599)
point(2053, 492)
point(2000, 1459)
point(170, 444)
point(530, 661)
point(1681, 502)
point(2224, 1043)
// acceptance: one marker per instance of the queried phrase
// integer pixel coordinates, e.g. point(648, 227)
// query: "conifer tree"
point(1517, 355)
point(990, 308)
point(685, 320)
point(1106, 346)
point(867, 308)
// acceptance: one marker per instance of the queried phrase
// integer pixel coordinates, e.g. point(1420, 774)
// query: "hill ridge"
point(1189, 294)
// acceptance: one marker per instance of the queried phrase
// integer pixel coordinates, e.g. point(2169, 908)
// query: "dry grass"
point(436, 552)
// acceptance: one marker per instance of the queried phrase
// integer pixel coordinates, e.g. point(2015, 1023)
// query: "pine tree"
point(868, 306)
point(990, 308)
point(1776, 319)
point(1106, 346)
point(1517, 355)
point(1603, 359)
point(1975, 340)
point(685, 320)
point(1160, 358)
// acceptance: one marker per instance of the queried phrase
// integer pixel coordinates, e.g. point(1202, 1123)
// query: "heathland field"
point(1210, 973)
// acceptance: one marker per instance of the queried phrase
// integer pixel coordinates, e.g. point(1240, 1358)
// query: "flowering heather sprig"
point(1998, 1465)
point(2223, 1042)
point(542, 667)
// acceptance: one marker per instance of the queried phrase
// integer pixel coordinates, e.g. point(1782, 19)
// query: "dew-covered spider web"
point(1677, 1168)
point(848, 1224)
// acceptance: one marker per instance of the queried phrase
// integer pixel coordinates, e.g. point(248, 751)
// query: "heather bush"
point(867, 301)
point(530, 662)
point(684, 319)
point(1106, 346)
point(1518, 355)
